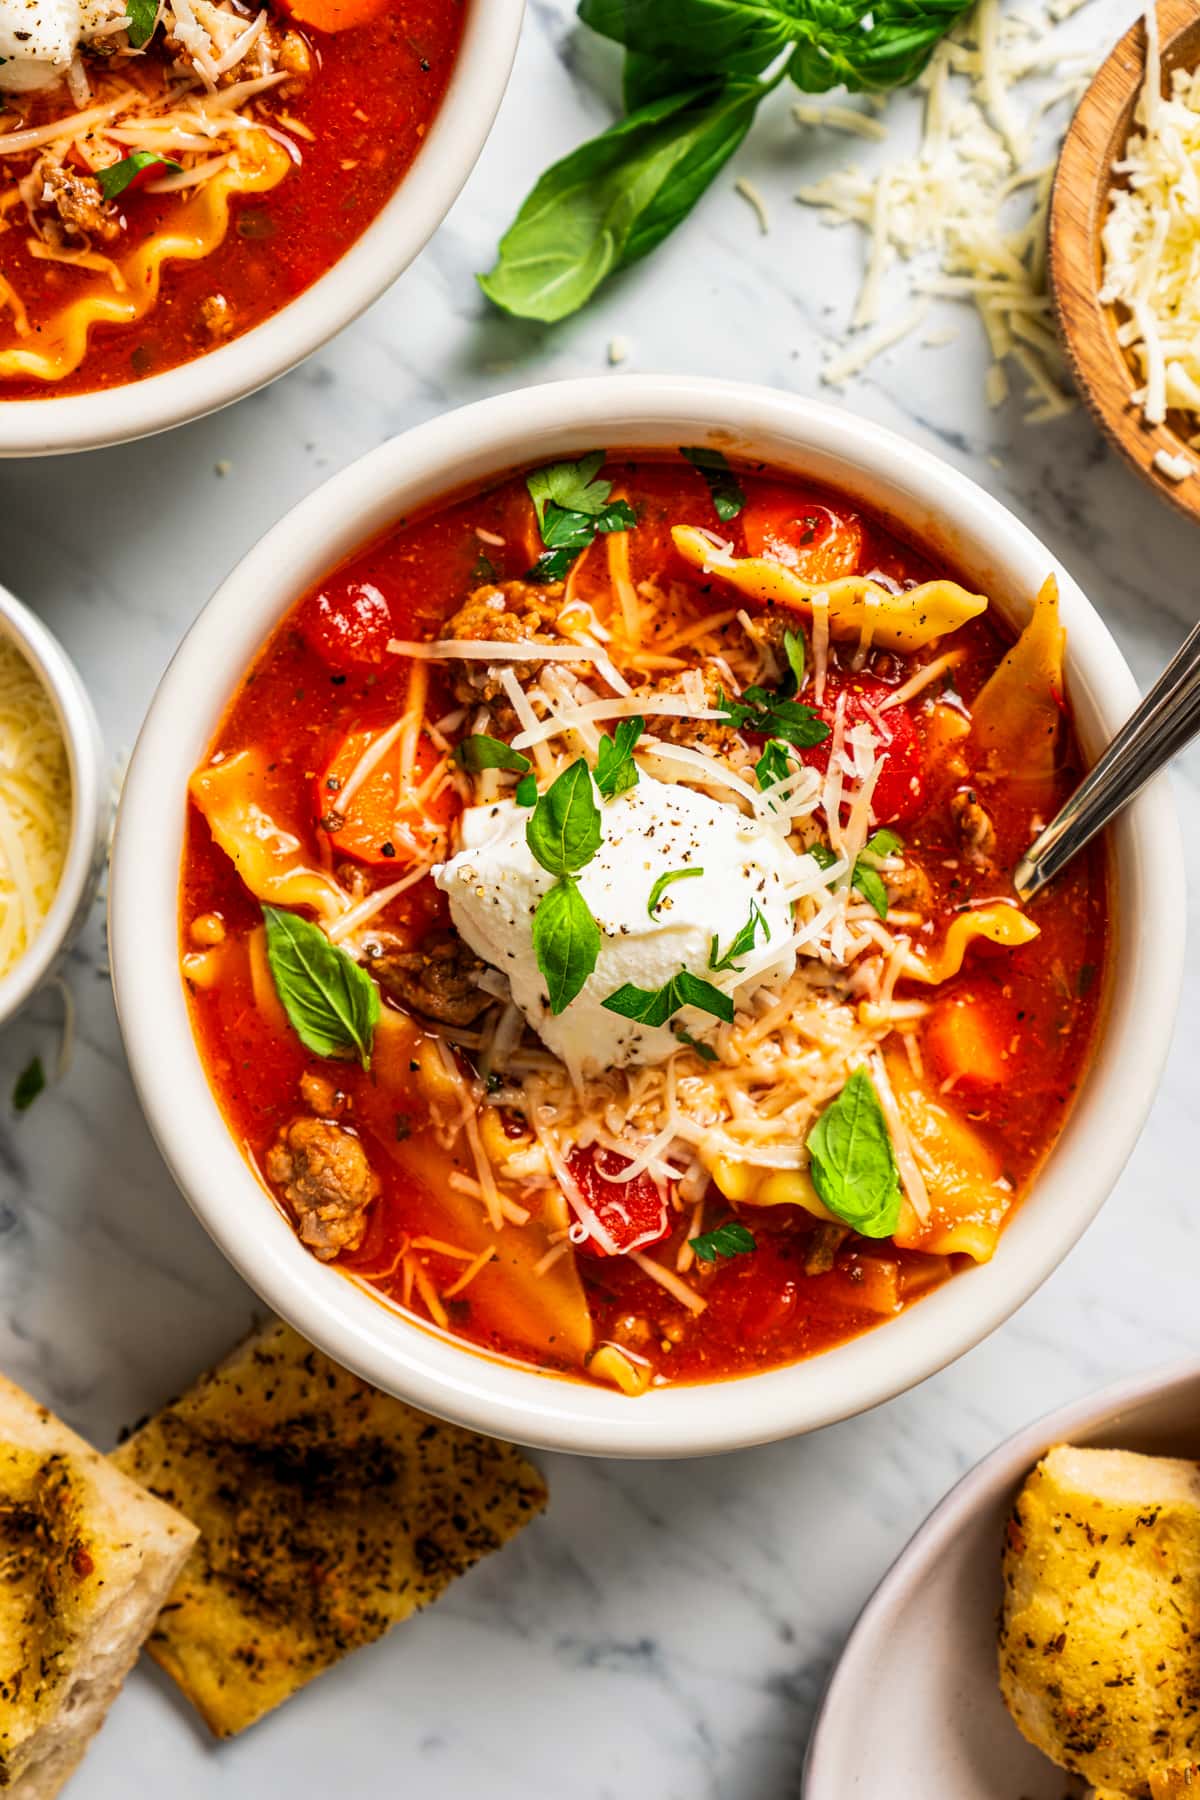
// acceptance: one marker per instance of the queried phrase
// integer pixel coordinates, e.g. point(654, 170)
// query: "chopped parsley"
point(727, 1241)
point(616, 771)
point(728, 495)
point(572, 506)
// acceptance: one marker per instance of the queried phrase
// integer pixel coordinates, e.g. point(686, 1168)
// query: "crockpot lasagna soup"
point(597, 921)
point(174, 171)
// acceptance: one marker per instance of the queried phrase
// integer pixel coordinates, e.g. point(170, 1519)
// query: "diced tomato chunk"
point(348, 624)
point(384, 821)
point(900, 787)
point(632, 1214)
point(803, 532)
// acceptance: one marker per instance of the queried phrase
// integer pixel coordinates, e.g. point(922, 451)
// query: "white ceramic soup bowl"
point(943, 511)
point(921, 1661)
point(44, 427)
point(91, 806)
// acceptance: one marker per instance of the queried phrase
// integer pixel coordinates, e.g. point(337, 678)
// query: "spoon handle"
point(1166, 720)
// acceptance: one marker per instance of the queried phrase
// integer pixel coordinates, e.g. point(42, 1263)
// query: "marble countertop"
point(667, 1629)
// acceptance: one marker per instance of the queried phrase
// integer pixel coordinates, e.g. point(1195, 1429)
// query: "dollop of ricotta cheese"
point(38, 38)
point(494, 885)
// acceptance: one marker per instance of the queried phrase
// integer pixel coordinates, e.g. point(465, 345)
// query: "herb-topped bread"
point(1100, 1631)
point(327, 1512)
point(88, 1558)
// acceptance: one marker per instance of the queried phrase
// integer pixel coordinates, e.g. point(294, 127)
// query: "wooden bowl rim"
point(1095, 137)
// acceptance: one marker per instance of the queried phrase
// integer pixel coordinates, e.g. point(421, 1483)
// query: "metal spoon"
point(1167, 719)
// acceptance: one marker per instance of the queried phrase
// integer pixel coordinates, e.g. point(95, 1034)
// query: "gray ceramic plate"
point(913, 1708)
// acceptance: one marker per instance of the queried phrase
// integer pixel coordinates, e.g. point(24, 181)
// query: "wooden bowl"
point(1096, 138)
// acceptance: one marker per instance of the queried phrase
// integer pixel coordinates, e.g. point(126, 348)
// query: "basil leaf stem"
point(726, 1241)
point(331, 1003)
point(665, 881)
point(852, 1163)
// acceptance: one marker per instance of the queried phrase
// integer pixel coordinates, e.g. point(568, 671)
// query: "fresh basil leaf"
point(870, 885)
point(654, 1006)
point(759, 710)
point(793, 649)
point(774, 765)
point(572, 486)
point(883, 843)
point(731, 37)
point(117, 176)
point(742, 944)
point(694, 991)
point(616, 771)
point(28, 1085)
point(479, 752)
point(564, 833)
point(866, 45)
point(527, 791)
point(665, 881)
point(853, 1165)
point(614, 198)
point(566, 942)
point(645, 78)
point(705, 1052)
point(822, 855)
point(142, 16)
point(553, 565)
point(728, 496)
point(727, 1240)
point(331, 1004)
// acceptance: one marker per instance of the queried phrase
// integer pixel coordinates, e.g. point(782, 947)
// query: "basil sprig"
point(114, 179)
point(479, 751)
point(563, 834)
point(852, 1163)
point(654, 1006)
point(572, 507)
point(742, 944)
point(616, 771)
point(727, 1241)
point(728, 495)
point(692, 87)
point(331, 1004)
point(665, 881)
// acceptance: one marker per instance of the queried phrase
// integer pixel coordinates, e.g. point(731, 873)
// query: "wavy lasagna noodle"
point(206, 154)
point(668, 872)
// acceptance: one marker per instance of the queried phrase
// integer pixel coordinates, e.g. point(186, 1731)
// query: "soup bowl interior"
point(91, 805)
point(928, 502)
point(402, 228)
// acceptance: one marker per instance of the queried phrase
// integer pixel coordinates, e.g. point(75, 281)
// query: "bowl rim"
point(984, 1483)
point(404, 225)
point(444, 1376)
point(89, 799)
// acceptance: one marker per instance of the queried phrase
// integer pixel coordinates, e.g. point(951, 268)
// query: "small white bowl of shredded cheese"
point(54, 804)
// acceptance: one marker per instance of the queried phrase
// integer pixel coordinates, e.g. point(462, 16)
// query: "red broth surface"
point(368, 106)
point(1040, 1005)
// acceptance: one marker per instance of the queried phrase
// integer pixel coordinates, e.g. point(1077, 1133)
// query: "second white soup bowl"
point(946, 514)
